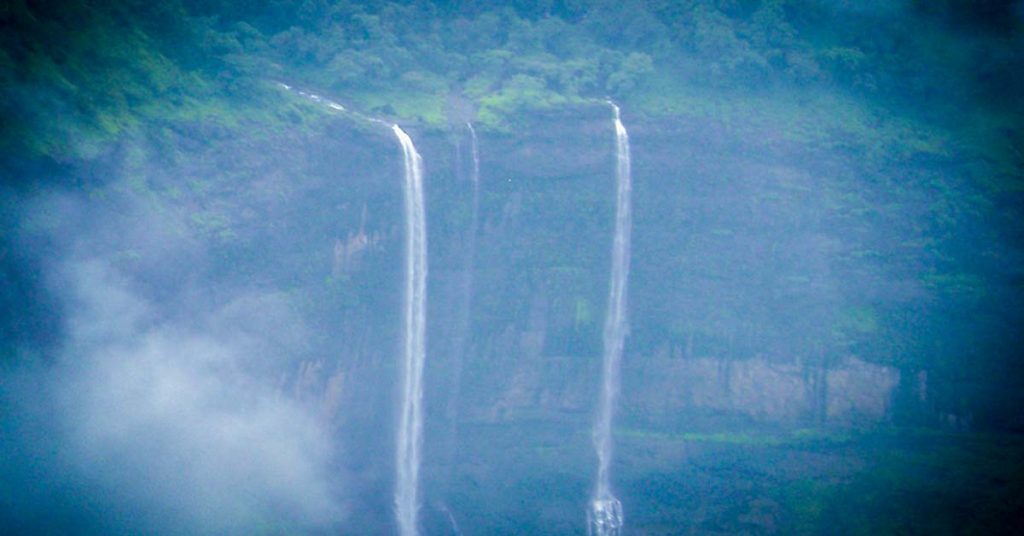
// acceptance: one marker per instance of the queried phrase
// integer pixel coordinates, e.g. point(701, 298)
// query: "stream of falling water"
point(604, 518)
point(410, 422)
point(460, 346)
point(409, 436)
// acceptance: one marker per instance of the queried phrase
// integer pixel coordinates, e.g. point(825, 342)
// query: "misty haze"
point(604, 268)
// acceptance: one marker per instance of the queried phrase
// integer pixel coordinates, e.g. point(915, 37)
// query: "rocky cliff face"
point(741, 276)
point(739, 237)
point(762, 271)
point(750, 265)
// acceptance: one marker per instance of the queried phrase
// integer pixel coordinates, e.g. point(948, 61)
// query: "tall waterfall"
point(410, 423)
point(461, 334)
point(604, 518)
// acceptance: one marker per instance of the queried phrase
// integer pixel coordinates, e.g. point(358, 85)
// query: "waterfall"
point(410, 422)
point(476, 159)
point(313, 97)
point(409, 436)
point(461, 334)
point(604, 518)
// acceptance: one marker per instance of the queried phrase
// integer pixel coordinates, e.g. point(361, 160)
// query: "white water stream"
point(409, 436)
point(604, 518)
point(410, 422)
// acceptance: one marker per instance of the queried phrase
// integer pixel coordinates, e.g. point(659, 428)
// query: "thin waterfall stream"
point(409, 435)
point(462, 327)
point(604, 518)
point(410, 423)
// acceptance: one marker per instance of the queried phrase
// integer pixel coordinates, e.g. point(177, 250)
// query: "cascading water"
point(466, 295)
point(468, 264)
point(409, 437)
point(476, 159)
point(314, 97)
point(410, 422)
point(604, 518)
point(460, 333)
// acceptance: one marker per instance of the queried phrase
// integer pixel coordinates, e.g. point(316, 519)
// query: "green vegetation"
point(782, 437)
point(811, 481)
point(809, 69)
point(814, 180)
point(908, 117)
point(880, 481)
point(958, 485)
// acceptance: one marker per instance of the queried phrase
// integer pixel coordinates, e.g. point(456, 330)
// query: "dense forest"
point(953, 66)
point(817, 183)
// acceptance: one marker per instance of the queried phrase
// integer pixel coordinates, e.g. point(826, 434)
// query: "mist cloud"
point(177, 422)
point(161, 416)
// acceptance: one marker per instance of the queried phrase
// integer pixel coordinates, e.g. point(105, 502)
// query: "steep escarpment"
point(203, 235)
point(750, 248)
point(749, 245)
point(715, 282)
